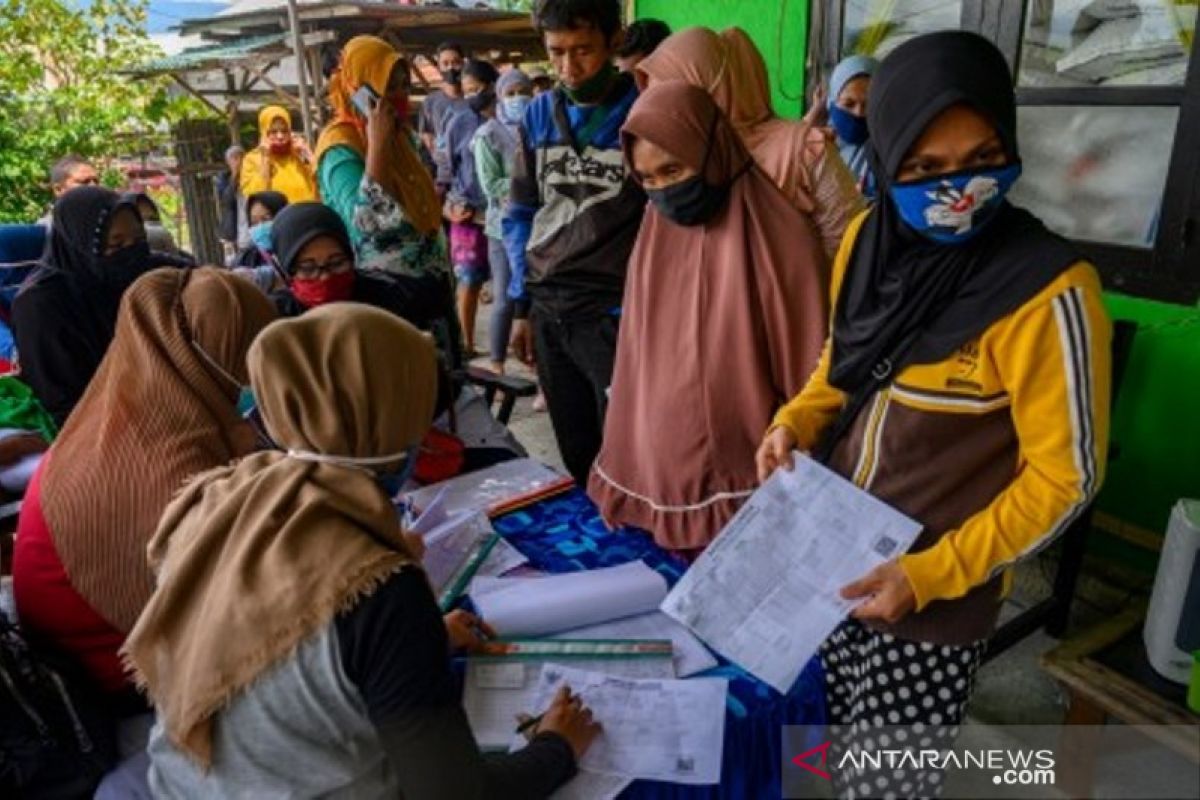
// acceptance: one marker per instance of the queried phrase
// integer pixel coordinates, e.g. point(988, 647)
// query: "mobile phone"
point(365, 100)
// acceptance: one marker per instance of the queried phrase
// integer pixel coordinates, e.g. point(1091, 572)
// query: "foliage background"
point(60, 93)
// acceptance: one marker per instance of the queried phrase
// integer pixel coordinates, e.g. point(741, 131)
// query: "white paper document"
point(691, 656)
point(450, 547)
point(659, 730)
point(765, 594)
point(487, 489)
point(431, 517)
point(497, 690)
point(542, 606)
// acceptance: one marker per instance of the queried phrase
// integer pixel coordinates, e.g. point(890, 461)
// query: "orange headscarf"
point(288, 173)
point(369, 60)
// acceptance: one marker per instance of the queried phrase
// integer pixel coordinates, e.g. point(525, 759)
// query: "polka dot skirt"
point(910, 689)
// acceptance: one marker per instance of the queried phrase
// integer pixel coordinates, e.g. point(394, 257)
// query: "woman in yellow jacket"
point(281, 162)
point(965, 382)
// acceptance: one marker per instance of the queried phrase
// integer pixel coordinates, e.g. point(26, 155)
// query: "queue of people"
point(704, 289)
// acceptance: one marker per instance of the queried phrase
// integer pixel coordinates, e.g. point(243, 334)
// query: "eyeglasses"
point(307, 270)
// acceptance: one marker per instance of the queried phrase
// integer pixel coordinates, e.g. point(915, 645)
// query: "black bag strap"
point(881, 376)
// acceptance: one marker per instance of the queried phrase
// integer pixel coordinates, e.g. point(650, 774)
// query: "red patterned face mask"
point(313, 292)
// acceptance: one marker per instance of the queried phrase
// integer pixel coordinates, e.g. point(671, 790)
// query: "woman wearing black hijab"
point(313, 249)
point(64, 316)
point(965, 383)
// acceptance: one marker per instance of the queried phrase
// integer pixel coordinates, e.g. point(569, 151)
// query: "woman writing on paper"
point(965, 383)
point(293, 646)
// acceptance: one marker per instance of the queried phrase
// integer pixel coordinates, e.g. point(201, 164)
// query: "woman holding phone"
point(370, 173)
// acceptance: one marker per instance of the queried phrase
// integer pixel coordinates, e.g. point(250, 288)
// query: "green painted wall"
point(1157, 418)
point(779, 27)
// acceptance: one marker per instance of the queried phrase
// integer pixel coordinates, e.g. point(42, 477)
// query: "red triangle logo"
point(802, 760)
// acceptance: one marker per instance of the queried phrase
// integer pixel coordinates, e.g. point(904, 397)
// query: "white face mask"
point(364, 463)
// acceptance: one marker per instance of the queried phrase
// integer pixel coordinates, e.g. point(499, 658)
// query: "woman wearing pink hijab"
point(798, 157)
point(725, 314)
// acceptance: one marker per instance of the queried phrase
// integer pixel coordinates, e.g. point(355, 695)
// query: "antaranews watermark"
point(982, 761)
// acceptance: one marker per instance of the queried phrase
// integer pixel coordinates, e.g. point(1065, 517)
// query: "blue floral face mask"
point(260, 234)
point(851, 129)
point(951, 209)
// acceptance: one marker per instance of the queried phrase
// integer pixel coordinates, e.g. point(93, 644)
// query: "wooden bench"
point(1106, 675)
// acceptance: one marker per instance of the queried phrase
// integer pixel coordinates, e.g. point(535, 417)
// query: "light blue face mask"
point(951, 209)
point(515, 107)
point(260, 234)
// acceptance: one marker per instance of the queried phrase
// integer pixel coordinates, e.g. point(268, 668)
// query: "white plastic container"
point(1174, 612)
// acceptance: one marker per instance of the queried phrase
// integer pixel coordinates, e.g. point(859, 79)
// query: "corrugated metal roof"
point(199, 57)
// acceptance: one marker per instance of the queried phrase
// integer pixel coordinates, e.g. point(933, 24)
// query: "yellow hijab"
point(278, 172)
point(368, 60)
point(255, 558)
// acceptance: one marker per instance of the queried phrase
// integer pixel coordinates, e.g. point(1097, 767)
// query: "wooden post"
point(301, 70)
point(198, 156)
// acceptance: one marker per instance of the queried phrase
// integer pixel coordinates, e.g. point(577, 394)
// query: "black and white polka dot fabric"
point(878, 689)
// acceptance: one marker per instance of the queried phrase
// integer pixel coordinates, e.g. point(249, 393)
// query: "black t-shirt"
point(394, 648)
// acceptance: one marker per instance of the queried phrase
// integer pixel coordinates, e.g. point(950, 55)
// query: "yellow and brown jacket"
point(995, 450)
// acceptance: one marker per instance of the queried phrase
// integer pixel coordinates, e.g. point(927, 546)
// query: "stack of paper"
point(499, 688)
point(542, 606)
point(660, 730)
point(461, 547)
point(490, 490)
point(765, 594)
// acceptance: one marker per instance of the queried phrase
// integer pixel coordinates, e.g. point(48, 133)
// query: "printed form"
point(497, 691)
point(659, 730)
point(765, 594)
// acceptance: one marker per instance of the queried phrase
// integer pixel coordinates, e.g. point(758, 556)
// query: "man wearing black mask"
point(440, 106)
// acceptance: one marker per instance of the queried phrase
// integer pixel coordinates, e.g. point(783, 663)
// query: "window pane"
point(1096, 173)
point(876, 27)
point(1107, 42)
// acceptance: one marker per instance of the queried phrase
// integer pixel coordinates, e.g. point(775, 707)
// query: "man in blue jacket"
point(573, 218)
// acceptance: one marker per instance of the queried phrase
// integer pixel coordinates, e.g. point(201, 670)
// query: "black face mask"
point(125, 266)
point(452, 76)
point(690, 202)
point(481, 101)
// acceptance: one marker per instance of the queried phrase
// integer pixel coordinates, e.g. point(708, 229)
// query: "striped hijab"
point(161, 408)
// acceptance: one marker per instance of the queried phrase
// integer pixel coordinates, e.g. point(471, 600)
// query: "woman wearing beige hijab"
point(293, 646)
point(797, 156)
point(161, 408)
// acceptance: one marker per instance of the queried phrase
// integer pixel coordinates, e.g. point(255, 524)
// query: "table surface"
point(565, 534)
